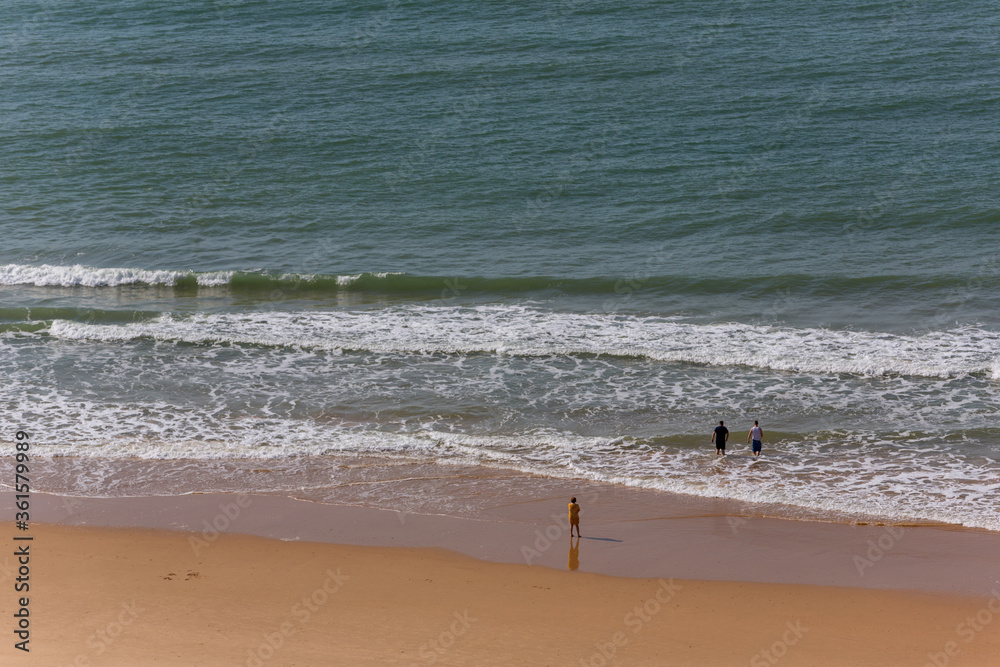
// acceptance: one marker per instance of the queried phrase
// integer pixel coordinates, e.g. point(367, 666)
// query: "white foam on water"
point(215, 278)
point(77, 275)
point(528, 331)
point(910, 478)
point(349, 279)
point(81, 276)
point(917, 476)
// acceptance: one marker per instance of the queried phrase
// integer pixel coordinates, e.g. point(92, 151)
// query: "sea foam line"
point(47, 275)
point(959, 490)
point(78, 275)
point(530, 331)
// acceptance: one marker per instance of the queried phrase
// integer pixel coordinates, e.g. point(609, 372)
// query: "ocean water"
point(562, 239)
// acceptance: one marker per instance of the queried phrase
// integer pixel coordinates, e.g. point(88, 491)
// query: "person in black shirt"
point(720, 436)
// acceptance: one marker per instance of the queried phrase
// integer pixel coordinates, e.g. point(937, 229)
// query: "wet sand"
point(269, 580)
point(625, 533)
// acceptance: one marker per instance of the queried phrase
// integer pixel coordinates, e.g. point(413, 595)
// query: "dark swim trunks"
point(756, 445)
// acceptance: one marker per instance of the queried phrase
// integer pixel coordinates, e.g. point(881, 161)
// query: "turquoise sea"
point(562, 239)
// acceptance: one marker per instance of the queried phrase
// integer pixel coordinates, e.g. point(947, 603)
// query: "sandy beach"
point(253, 580)
point(314, 316)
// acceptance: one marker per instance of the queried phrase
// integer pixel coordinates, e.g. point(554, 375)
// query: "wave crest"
point(527, 331)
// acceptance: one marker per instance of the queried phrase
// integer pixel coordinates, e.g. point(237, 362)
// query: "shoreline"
point(412, 485)
point(657, 579)
point(135, 596)
point(624, 535)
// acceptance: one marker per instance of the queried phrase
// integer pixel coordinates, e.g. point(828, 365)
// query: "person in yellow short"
point(574, 517)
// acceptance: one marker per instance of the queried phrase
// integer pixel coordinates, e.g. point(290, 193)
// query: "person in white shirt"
point(756, 434)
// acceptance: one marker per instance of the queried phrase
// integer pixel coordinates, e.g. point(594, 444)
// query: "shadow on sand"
point(601, 539)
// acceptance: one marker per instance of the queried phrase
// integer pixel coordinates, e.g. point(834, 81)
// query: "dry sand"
point(135, 596)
